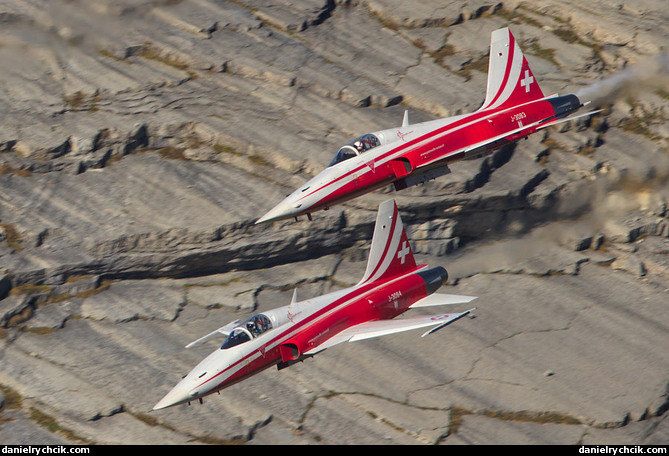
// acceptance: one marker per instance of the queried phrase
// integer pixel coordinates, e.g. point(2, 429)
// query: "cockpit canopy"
point(247, 330)
point(356, 147)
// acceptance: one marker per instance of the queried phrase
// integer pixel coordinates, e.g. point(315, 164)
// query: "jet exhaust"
point(434, 278)
point(647, 74)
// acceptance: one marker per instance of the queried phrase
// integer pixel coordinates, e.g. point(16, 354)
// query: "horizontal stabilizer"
point(448, 322)
point(379, 328)
point(567, 119)
point(222, 331)
point(438, 299)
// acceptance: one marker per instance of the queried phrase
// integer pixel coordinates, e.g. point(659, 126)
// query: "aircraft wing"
point(379, 328)
point(222, 331)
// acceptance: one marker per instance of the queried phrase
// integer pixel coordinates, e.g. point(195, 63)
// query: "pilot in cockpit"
point(356, 147)
point(248, 329)
point(257, 324)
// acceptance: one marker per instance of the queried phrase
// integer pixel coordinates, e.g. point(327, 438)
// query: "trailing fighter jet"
point(391, 285)
point(514, 107)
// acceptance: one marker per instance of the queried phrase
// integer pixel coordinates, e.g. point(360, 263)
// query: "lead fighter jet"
point(514, 107)
point(392, 284)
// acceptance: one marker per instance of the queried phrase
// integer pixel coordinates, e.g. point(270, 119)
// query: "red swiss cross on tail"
point(390, 254)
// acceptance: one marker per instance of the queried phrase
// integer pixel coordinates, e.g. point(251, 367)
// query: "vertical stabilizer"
point(390, 253)
point(510, 79)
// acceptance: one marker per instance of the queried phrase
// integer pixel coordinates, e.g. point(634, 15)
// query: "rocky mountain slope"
point(141, 139)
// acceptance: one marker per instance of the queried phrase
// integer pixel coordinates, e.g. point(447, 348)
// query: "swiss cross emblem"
point(527, 81)
point(404, 252)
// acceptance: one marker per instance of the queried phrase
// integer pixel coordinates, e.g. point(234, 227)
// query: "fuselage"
point(414, 148)
point(302, 326)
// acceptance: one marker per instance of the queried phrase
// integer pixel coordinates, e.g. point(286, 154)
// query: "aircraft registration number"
point(518, 116)
point(394, 296)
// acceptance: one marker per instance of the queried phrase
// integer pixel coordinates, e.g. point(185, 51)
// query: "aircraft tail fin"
point(390, 253)
point(510, 79)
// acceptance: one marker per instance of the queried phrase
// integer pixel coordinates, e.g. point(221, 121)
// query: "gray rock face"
point(140, 140)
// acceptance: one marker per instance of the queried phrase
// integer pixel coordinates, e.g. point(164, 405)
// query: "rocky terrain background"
point(140, 140)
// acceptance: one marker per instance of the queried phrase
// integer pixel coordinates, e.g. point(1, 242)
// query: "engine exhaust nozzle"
point(434, 278)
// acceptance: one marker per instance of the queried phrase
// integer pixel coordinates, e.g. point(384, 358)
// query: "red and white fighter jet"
point(391, 285)
point(514, 107)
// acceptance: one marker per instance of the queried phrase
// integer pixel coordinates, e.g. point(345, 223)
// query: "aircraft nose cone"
point(177, 395)
point(282, 210)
